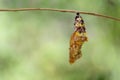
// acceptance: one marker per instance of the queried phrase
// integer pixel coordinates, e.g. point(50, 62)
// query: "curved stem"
point(60, 10)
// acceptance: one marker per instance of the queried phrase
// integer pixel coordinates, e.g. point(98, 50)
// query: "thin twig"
point(60, 10)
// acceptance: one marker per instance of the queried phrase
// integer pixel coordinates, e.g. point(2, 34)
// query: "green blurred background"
point(34, 45)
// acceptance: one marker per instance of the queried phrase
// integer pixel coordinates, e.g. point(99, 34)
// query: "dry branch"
point(58, 10)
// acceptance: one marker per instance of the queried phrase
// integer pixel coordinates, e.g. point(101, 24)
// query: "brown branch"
point(60, 10)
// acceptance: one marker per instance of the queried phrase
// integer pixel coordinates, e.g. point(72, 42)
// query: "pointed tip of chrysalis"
point(77, 13)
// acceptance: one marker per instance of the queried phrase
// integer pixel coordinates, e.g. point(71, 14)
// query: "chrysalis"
point(77, 39)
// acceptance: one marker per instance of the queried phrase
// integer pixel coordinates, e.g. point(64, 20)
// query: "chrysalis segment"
point(77, 39)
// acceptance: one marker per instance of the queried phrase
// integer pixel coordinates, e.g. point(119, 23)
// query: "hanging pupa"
point(77, 39)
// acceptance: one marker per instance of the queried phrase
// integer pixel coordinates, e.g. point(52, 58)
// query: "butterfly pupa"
point(77, 39)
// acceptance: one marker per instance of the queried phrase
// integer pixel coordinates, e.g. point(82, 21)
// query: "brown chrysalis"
point(77, 39)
